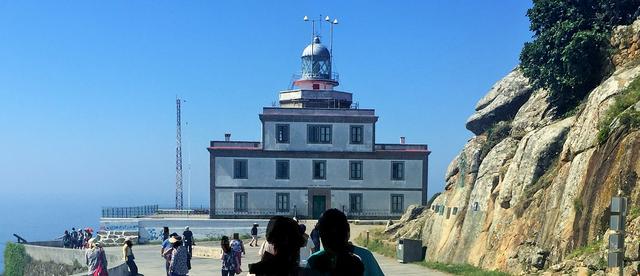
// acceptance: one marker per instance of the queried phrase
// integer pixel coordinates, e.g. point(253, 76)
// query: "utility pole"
point(178, 156)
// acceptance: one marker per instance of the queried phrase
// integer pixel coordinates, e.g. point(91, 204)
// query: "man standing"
point(254, 235)
point(187, 237)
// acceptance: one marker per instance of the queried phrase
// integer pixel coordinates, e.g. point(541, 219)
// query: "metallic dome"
point(316, 49)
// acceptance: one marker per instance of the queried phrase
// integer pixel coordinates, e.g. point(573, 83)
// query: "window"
point(355, 203)
point(355, 170)
point(316, 86)
point(282, 202)
point(454, 211)
point(397, 170)
point(476, 206)
point(397, 203)
point(282, 169)
point(448, 212)
point(319, 169)
point(282, 134)
point(240, 168)
point(319, 134)
point(240, 202)
point(356, 134)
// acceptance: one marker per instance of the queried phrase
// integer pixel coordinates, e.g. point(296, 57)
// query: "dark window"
point(282, 133)
point(476, 206)
point(316, 86)
point(441, 210)
point(282, 202)
point(454, 211)
point(240, 202)
point(355, 203)
point(397, 170)
point(240, 168)
point(355, 170)
point(397, 203)
point(319, 169)
point(356, 134)
point(282, 169)
point(319, 134)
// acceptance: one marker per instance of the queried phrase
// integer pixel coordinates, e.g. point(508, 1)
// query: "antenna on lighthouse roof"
point(331, 22)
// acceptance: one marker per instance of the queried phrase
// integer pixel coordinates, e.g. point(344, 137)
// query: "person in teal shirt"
point(371, 267)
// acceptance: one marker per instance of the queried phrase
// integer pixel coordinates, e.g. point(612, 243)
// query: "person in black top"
point(187, 237)
point(165, 233)
point(283, 233)
point(254, 235)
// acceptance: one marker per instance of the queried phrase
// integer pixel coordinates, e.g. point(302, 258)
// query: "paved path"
point(151, 264)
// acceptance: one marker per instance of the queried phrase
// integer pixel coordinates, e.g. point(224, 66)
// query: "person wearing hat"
point(179, 257)
point(95, 258)
point(166, 248)
point(187, 237)
point(254, 235)
point(127, 253)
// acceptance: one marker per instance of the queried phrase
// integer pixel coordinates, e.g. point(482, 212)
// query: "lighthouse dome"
point(316, 49)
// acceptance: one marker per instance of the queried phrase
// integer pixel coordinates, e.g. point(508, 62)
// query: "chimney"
point(402, 140)
point(227, 137)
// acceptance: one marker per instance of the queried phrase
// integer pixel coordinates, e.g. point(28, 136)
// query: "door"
point(319, 205)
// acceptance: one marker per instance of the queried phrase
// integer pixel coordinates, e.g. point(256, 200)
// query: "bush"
point(621, 109)
point(15, 259)
point(377, 243)
point(569, 54)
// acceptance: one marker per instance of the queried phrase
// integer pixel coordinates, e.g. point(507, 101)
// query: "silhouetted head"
point(302, 228)
point(283, 233)
point(236, 236)
point(334, 230)
point(224, 244)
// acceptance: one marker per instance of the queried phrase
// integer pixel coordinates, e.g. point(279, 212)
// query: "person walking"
point(74, 237)
point(238, 247)
point(254, 235)
point(230, 258)
point(165, 233)
point(179, 257)
point(187, 238)
point(129, 258)
point(165, 251)
point(96, 259)
point(335, 258)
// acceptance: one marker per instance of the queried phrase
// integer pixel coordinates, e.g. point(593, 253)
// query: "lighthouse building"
point(318, 151)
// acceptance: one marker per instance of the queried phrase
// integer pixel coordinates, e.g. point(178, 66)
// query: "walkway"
point(151, 264)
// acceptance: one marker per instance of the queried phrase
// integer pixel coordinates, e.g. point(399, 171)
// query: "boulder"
point(501, 103)
point(534, 114)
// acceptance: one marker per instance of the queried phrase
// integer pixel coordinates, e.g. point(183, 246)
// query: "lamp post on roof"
point(331, 23)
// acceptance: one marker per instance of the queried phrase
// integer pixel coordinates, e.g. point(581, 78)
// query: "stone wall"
point(626, 44)
point(115, 238)
point(71, 257)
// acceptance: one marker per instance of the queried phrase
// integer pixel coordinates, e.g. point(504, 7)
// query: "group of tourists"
point(77, 239)
point(177, 251)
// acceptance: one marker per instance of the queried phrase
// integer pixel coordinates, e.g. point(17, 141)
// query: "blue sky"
point(87, 88)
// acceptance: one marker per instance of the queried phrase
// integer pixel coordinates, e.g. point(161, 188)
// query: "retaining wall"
point(116, 266)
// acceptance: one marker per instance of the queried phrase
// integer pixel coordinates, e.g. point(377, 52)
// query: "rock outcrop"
point(522, 203)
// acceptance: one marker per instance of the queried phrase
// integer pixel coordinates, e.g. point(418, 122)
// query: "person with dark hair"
point(254, 235)
point(230, 258)
point(66, 239)
point(283, 233)
point(336, 257)
point(238, 246)
point(165, 233)
point(315, 238)
point(128, 257)
point(179, 257)
point(187, 238)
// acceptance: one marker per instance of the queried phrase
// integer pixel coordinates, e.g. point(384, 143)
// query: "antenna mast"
point(178, 157)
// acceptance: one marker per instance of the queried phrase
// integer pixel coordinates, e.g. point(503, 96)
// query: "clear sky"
point(87, 88)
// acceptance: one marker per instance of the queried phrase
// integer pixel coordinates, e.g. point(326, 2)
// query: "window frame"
point(395, 204)
point(351, 171)
point(244, 174)
point(317, 136)
point(351, 134)
point(357, 203)
point(288, 134)
point(282, 198)
point(288, 174)
point(238, 204)
point(402, 170)
point(313, 169)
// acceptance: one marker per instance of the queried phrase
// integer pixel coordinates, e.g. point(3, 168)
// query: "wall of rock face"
point(539, 192)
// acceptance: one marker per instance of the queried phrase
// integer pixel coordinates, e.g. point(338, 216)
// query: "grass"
point(15, 259)
point(634, 212)
point(629, 118)
point(461, 269)
point(378, 244)
point(586, 250)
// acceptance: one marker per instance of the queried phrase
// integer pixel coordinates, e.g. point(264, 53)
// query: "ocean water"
point(40, 219)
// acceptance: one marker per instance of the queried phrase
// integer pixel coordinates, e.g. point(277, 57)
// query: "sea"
point(44, 219)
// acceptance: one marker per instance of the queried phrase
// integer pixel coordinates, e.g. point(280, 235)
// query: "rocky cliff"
point(533, 186)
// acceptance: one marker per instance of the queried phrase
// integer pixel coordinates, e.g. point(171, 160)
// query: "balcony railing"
point(236, 144)
point(401, 147)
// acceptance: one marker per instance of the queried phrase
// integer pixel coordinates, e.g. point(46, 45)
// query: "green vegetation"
point(15, 259)
point(634, 212)
point(577, 205)
point(628, 117)
point(569, 54)
point(378, 244)
point(586, 250)
point(461, 269)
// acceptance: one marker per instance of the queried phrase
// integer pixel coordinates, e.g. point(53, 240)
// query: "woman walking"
point(96, 259)
point(179, 257)
point(230, 258)
point(127, 253)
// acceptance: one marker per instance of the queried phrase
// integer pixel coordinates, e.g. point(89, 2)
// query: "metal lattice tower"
point(178, 157)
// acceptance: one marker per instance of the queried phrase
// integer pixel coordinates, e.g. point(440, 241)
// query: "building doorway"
point(319, 205)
